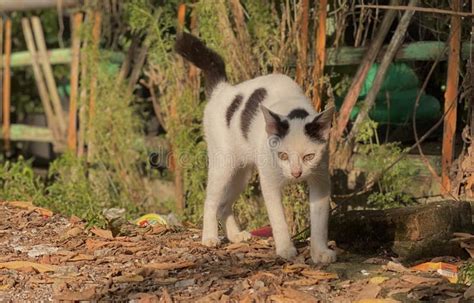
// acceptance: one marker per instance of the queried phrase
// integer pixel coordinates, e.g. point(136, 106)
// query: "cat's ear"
point(275, 125)
point(318, 129)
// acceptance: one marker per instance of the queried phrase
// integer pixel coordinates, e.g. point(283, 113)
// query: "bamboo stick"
point(76, 48)
point(175, 166)
point(93, 83)
point(450, 97)
point(359, 78)
point(23, 132)
point(51, 121)
point(1, 67)
point(7, 84)
point(395, 43)
point(320, 55)
point(181, 16)
point(302, 64)
point(24, 5)
point(137, 67)
point(82, 104)
point(417, 9)
point(49, 75)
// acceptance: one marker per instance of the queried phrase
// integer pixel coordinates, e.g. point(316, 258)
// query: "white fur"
point(232, 159)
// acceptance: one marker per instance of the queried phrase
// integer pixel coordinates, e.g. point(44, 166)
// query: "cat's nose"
point(296, 174)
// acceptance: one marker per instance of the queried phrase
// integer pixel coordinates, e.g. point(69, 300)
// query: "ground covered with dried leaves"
point(46, 257)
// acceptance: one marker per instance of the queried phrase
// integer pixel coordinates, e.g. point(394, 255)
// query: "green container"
point(395, 101)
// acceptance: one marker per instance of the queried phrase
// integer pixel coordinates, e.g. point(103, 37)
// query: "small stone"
point(185, 283)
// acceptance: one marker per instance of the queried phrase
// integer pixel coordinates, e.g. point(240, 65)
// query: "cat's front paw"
point(211, 242)
point(324, 255)
point(287, 252)
point(240, 237)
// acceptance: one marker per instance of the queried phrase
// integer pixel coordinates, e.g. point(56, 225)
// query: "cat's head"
point(298, 141)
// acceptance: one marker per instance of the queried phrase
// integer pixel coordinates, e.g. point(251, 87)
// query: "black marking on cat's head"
point(298, 113)
point(275, 125)
point(318, 129)
point(233, 108)
point(250, 110)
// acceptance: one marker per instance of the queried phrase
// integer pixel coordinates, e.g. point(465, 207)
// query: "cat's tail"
point(195, 51)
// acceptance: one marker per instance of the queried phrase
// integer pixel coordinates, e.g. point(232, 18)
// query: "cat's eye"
point(308, 157)
point(283, 156)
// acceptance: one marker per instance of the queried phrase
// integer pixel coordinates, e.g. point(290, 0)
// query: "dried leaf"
point(378, 280)
point(301, 282)
point(22, 265)
point(420, 280)
point(103, 233)
point(128, 279)
point(319, 275)
point(212, 297)
point(298, 296)
point(71, 233)
point(82, 257)
point(370, 291)
point(30, 207)
point(396, 267)
point(377, 301)
point(165, 296)
point(83, 295)
point(170, 265)
point(469, 293)
point(143, 298)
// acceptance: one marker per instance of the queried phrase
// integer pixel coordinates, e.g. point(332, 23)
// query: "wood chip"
point(170, 265)
point(370, 291)
point(420, 280)
point(25, 265)
point(83, 295)
point(103, 233)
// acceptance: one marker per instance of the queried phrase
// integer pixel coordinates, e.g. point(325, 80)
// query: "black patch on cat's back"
point(233, 107)
point(298, 113)
point(250, 110)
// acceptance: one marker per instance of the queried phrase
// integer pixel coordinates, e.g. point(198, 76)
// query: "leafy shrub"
point(376, 157)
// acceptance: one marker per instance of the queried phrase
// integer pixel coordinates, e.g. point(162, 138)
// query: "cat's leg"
point(236, 187)
point(271, 190)
point(319, 189)
point(219, 177)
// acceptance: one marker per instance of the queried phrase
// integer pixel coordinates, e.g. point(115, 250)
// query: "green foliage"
point(263, 27)
point(18, 182)
point(376, 157)
point(71, 193)
point(466, 273)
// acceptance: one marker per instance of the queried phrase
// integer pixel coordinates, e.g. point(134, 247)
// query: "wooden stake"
point(7, 83)
point(81, 136)
point(175, 166)
point(76, 49)
point(450, 97)
point(48, 73)
point(1, 67)
point(302, 63)
point(320, 55)
point(96, 42)
point(51, 121)
point(359, 78)
point(181, 16)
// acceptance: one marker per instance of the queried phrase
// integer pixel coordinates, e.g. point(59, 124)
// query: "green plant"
point(71, 193)
point(18, 182)
point(376, 157)
point(466, 273)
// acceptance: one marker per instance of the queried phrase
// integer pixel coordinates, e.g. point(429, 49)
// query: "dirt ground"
point(46, 257)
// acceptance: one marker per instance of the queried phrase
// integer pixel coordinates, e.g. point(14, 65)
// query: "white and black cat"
point(269, 124)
